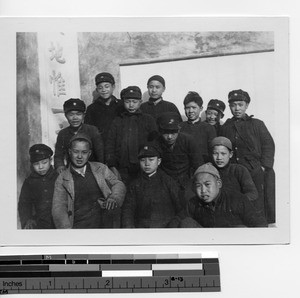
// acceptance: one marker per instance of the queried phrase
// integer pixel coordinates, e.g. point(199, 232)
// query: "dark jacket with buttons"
point(156, 108)
point(253, 145)
point(181, 160)
point(152, 202)
point(101, 115)
point(229, 209)
point(238, 178)
point(35, 201)
point(127, 134)
point(202, 133)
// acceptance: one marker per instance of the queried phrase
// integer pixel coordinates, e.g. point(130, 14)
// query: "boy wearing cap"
point(253, 147)
point(201, 132)
point(156, 106)
point(128, 132)
point(214, 206)
point(234, 176)
point(152, 199)
point(35, 201)
point(74, 110)
point(105, 106)
point(87, 194)
point(180, 155)
point(214, 113)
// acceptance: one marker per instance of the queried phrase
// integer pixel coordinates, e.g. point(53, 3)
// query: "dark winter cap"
point(207, 168)
point(104, 77)
point(133, 92)
point(217, 105)
point(169, 121)
point(82, 137)
point(238, 95)
point(221, 141)
point(74, 104)
point(39, 152)
point(157, 78)
point(149, 151)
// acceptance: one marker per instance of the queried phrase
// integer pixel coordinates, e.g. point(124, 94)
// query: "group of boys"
point(125, 163)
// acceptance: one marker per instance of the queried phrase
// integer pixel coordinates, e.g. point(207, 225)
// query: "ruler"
point(109, 273)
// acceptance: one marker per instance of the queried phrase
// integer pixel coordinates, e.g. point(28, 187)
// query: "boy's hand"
point(60, 169)
point(30, 224)
point(111, 204)
point(102, 203)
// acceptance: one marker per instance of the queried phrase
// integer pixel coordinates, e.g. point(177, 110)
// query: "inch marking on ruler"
point(139, 273)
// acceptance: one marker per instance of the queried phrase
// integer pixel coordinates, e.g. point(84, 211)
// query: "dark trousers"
point(258, 178)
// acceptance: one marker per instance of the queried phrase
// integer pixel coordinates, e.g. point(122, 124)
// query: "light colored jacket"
point(64, 194)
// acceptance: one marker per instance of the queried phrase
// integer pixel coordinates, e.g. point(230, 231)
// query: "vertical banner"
point(59, 79)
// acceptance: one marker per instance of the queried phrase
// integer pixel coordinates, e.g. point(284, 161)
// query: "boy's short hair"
point(133, 92)
point(238, 95)
point(39, 152)
point(104, 77)
point(149, 151)
point(221, 141)
point(157, 78)
point(80, 136)
point(217, 105)
point(74, 104)
point(193, 96)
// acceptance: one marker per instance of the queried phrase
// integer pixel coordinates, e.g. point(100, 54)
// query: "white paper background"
point(274, 108)
point(246, 271)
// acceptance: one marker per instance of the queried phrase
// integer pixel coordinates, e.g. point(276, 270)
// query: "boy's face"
point(221, 155)
point(238, 108)
point(105, 89)
point(212, 116)
point(155, 89)
point(207, 187)
point(149, 164)
point(132, 104)
point(192, 111)
point(42, 167)
point(79, 153)
point(75, 118)
point(170, 137)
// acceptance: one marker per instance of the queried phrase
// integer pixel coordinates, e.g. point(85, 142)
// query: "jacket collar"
point(154, 102)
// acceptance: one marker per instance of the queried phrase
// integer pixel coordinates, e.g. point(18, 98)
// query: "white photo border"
point(279, 234)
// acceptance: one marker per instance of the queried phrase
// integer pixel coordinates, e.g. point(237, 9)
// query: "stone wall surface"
point(28, 101)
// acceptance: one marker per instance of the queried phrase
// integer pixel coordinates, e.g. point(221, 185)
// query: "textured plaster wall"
point(28, 101)
point(105, 51)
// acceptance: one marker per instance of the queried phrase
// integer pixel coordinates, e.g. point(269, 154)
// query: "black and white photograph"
point(147, 131)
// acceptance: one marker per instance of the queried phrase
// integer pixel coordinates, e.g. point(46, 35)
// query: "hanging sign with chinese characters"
point(59, 79)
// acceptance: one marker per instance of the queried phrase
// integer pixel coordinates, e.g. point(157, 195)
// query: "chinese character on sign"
point(58, 84)
point(56, 53)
